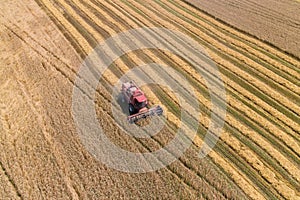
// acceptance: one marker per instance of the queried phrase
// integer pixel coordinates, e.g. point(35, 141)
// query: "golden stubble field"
point(43, 44)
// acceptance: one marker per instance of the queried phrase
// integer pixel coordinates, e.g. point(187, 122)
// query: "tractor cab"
point(138, 100)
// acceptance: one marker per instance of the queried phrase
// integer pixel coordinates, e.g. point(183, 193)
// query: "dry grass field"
point(42, 46)
point(275, 22)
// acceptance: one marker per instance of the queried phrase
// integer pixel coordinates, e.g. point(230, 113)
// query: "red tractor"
point(137, 103)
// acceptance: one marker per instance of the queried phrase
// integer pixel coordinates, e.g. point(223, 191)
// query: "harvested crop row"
point(276, 112)
point(292, 122)
point(274, 130)
point(238, 45)
point(289, 141)
point(67, 24)
point(171, 118)
point(235, 143)
point(267, 101)
point(284, 162)
point(102, 105)
point(28, 105)
point(230, 169)
point(256, 82)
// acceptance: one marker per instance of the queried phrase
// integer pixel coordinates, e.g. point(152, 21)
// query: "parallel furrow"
point(263, 66)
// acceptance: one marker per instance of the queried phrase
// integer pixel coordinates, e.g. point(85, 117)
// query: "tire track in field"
point(5, 126)
point(48, 55)
point(26, 96)
point(52, 144)
point(11, 181)
point(31, 44)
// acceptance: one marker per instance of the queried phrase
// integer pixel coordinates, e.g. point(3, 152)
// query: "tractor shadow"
point(123, 105)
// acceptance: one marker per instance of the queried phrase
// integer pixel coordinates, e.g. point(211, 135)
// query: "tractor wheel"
point(131, 109)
